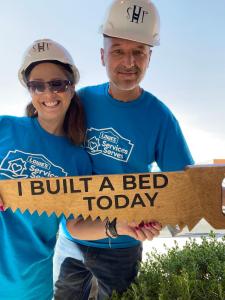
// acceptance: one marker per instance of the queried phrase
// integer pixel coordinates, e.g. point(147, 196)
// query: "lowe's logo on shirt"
point(108, 142)
point(19, 164)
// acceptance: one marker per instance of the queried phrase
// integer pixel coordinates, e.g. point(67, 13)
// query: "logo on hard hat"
point(136, 14)
point(41, 47)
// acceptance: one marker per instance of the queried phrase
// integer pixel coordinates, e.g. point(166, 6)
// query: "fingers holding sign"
point(1, 204)
point(148, 231)
point(141, 232)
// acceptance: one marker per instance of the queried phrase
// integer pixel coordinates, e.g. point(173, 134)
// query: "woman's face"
point(52, 100)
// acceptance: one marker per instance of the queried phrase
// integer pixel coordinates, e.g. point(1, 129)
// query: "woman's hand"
point(1, 204)
point(141, 232)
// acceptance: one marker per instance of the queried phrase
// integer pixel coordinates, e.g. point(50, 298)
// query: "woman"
point(45, 143)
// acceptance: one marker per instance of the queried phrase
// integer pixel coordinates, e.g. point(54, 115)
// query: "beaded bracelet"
point(110, 229)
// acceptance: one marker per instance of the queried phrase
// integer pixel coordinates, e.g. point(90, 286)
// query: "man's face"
point(125, 61)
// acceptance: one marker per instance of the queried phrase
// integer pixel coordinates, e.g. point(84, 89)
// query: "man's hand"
point(141, 232)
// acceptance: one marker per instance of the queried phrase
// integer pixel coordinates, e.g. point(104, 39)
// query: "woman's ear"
point(72, 90)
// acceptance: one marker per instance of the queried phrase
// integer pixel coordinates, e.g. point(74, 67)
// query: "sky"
point(187, 70)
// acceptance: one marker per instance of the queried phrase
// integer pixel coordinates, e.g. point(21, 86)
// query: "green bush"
point(194, 272)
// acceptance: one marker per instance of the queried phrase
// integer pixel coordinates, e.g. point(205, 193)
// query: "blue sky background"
point(187, 70)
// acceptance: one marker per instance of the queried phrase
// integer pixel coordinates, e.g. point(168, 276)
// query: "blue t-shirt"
point(128, 137)
point(27, 241)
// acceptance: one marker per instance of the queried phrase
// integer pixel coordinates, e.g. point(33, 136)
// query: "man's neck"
point(124, 95)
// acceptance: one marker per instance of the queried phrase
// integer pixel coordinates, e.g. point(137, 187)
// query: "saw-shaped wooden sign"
point(182, 198)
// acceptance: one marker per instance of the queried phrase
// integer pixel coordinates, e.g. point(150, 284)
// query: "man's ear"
point(102, 56)
point(150, 55)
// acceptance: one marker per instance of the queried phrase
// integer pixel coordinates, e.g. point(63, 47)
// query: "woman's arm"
point(94, 230)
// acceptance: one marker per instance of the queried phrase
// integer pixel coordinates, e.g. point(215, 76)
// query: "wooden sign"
point(182, 198)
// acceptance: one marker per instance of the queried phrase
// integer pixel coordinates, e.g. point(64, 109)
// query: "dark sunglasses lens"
point(55, 86)
point(36, 86)
point(58, 86)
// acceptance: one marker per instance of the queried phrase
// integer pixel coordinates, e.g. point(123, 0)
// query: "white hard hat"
point(135, 20)
point(46, 49)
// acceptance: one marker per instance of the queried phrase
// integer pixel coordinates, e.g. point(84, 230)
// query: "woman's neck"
point(51, 126)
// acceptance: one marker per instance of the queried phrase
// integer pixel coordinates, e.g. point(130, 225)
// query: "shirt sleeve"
point(172, 152)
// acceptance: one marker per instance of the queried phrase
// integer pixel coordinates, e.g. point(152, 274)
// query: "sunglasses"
point(54, 86)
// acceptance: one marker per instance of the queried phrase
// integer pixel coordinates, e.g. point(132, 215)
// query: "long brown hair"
point(74, 121)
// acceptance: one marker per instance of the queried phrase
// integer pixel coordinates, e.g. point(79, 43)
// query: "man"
point(128, 129)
